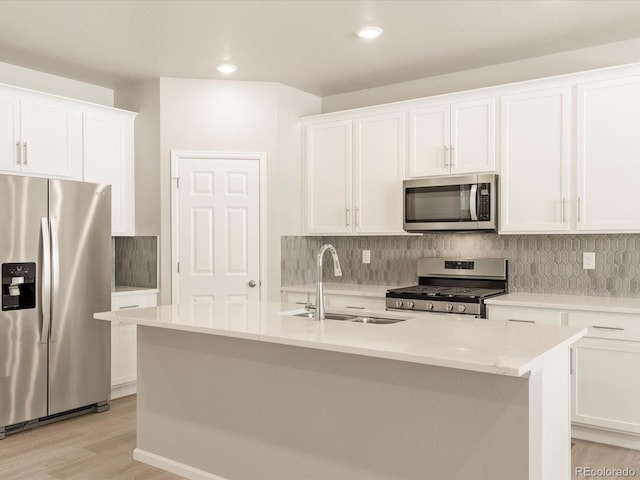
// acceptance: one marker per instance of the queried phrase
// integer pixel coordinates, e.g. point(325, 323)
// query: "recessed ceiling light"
point(226, 68)
point(369, 32)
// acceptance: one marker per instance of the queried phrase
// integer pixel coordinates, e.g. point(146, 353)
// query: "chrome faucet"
point(337, 272)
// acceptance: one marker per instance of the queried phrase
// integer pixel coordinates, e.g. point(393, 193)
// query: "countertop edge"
point(568, 302)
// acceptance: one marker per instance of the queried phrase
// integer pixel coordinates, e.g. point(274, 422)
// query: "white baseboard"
point(123, 389)
point(606, 436)
point(172, 466)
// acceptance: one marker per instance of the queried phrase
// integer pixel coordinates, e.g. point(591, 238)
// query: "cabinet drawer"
point(618, 326)
point(296, 298)
point(525, 315)
point(355, 303)
point(138, 300)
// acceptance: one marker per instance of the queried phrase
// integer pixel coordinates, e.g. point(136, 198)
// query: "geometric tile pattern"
point(136, 261)
point(537, 263)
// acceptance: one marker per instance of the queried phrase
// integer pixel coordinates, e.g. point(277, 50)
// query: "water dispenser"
point(18, 286)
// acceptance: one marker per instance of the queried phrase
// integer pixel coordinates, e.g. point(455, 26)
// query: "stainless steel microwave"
point(460, 202)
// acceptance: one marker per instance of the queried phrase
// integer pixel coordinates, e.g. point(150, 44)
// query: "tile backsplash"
point(537, 263)
point(136, 261)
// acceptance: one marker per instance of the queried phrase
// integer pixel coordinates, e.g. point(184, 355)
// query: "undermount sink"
point(354, 318)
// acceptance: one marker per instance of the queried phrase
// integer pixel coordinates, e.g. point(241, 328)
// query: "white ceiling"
point(309, 45)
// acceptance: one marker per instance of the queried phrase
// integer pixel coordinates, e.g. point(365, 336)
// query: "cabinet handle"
point(608, 328)
point(578, 209)
point(357, 216)
point(24, 162)
point(521, 321)
point(302, 303)
point(564, 204)
point(129, 306)
point(445, 156)
point(346, 217)
point(452, 156)
point(18, 161)
point(355, 308)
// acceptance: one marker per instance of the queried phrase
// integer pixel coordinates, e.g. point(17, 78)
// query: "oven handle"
point(473, 204)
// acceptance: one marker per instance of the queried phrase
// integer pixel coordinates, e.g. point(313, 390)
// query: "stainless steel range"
point(452, 285)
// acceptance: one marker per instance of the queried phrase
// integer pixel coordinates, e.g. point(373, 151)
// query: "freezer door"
point(80, 346)
point(23, 348)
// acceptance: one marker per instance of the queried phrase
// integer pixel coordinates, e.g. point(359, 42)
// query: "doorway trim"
point(176, 156)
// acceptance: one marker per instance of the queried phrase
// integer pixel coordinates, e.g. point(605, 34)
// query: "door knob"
point(252, 283)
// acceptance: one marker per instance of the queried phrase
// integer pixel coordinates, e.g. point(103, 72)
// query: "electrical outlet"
point(366, 256)
point(589, 260)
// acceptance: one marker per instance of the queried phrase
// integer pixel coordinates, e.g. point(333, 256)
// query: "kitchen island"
point(238, 390)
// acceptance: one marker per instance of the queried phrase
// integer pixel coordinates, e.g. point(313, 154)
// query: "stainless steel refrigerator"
point(55, 251)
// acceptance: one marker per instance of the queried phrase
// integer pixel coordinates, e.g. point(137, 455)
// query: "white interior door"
point(218, 230)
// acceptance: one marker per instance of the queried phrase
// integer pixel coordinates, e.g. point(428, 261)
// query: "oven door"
point(463, 202)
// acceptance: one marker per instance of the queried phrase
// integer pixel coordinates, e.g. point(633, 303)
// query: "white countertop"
point(119, 290)
point(343, 289)
point(568, 302)
point(479, 345)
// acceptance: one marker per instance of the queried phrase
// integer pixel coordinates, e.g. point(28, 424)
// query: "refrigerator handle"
point(46, 281)
point(55, 269)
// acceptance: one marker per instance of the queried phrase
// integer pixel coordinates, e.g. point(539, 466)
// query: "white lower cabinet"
point(605, 370)
point(606, 384)
point(297, 298)
point(356, 303)
point(123, 343)
point(335, 301)
point(526, 315)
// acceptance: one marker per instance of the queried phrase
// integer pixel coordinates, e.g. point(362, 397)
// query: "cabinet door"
point(51, 134)
point(108, 158)
point(328, 177)
point(429, 141)
point(123, 342)
point(608, 149)
point(379, 171)
point(9, 133)
point(535, 156)
point(606, 384)
point(473, 137)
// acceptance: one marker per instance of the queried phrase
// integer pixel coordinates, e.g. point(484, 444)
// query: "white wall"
point(608, 55)
point(223, 115)
point(65, 87)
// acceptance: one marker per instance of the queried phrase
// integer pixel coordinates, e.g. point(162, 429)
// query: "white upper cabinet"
point(109, 158)
point(378, 173)
point(354, 171)
point(328, 165)
point(535, 159)
point(40, 135)
point(608, 155)
point(49, 136)
point(10, 145)
point(452, 138)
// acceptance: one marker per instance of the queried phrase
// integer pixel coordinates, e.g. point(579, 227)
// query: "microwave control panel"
point(484, 198)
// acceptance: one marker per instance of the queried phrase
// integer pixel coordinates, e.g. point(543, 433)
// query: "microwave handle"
point(473, 204)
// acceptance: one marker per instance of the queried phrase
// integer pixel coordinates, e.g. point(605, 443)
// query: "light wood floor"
point(99, 447)
point(91, 447)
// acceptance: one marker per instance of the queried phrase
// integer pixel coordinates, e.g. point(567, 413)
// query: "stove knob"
point(449, 307)
point(398, 303)
point(429, 306)
point(461, 308)
point(410, 304)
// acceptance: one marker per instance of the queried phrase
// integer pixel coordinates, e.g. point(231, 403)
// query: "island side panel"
point(247, 410)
